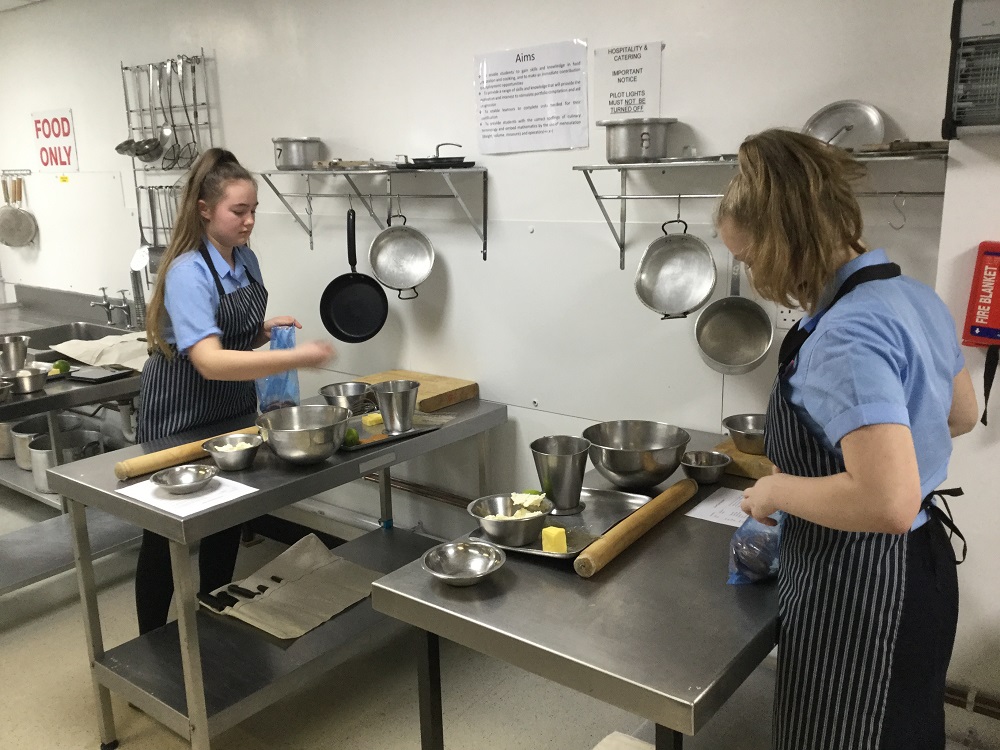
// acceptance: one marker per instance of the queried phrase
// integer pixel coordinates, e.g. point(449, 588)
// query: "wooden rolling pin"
point(179, 454)
point(615, 540)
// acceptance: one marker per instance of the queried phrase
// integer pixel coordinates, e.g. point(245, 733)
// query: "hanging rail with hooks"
point(368, 198)
point(623, 197)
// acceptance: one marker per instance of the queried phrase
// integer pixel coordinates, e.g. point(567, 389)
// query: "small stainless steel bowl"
point(463, 563)
point(182, 480)
point(304, 434)
point(747, 432)
point(513, 532)
point(6, 388)
point(705, 467)
point(353, 395)
point(233, 452)
point(635, 453)
point(27, 379)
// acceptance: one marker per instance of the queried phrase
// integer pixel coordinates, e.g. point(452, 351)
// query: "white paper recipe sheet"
point(219, 490)
point(722, 506)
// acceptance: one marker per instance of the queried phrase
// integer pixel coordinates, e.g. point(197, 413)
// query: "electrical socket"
point(787, 317)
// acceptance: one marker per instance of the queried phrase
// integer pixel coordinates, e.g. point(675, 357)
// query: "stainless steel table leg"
point(182, 559)
point(429, 679)
point(668, 739)
point(484, 465)
point(91, 619)
point(385, 498)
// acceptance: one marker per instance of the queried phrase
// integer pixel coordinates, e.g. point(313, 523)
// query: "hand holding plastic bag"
point(282, 389)
point(753, 551)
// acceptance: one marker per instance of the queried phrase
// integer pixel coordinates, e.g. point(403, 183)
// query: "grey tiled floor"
point(371, 702)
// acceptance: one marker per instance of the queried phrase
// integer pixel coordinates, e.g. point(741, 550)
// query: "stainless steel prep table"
point(657, 632)
point(43, 550)
point(206, 672)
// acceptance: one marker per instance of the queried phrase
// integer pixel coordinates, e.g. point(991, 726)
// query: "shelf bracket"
point(619, 240)
point(288, 206)
point(366, 203)
point(481, 232)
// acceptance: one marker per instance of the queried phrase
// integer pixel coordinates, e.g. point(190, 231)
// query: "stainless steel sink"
point(43, 339)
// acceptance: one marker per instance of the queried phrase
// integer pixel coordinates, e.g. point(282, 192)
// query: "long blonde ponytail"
point(206, 182)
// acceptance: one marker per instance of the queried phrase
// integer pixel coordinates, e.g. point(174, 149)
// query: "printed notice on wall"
point(55, 138)
point(533, 99)
point(627, 81)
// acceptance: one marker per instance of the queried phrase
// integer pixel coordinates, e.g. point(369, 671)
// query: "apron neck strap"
point(796, 337)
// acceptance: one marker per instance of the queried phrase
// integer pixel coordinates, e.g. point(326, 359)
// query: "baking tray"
point(375, 435)
point(602, 509)
point(48, 366)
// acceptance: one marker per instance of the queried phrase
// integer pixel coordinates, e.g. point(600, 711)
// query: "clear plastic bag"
point(282, 389)
point(753, 551)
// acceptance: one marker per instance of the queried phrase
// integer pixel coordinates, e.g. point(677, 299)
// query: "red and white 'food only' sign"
point(56, 140)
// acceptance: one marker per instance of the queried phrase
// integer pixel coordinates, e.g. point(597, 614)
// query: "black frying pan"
point(353, 306)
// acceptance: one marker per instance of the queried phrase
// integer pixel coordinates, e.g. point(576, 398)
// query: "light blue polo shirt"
point(887, 353)
point(191, 297)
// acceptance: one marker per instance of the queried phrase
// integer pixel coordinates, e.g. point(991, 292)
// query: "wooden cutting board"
point(436, 391)
point(745, 464)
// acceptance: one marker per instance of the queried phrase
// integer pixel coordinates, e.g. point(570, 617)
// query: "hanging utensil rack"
point(170, 93)
point(729, 163)
point(369, 198)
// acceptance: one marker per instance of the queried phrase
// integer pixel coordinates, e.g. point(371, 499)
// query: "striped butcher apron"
point(174, 397)
point(866, 621)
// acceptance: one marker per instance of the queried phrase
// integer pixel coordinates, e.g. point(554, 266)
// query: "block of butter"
point(370, 420)
point(554, 539)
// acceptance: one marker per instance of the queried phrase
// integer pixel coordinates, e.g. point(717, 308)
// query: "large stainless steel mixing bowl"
point(304, 434)
point(635, 453)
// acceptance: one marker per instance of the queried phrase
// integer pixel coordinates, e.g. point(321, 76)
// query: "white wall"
point(548, 318)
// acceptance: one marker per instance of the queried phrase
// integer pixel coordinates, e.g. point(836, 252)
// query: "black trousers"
point(154, 582)
point(914, 715)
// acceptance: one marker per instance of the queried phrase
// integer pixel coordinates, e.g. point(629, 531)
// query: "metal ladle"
point(150, 149)
point(172, 154)
point(189, 151)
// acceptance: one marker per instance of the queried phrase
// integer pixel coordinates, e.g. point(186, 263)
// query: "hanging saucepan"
point(353, 306)
point(676, 275)
point(734, 333)
point(401, 257)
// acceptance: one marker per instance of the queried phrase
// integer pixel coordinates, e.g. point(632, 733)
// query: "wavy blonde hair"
point(793, 196)
point(207, 182)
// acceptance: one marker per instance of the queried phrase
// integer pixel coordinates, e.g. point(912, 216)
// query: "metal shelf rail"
point(728, 161)
point(368, 198)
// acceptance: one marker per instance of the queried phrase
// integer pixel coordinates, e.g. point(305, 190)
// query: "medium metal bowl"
point(747, 432)
point(304, 434)
point(513, 532)
point(182, 480)
point(27, 379)
point(233, 452)
point(463, 563)
point(635, 453)
point(705, 467)
point(353, 395)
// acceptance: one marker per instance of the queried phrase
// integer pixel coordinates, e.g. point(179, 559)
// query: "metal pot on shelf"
point(296, 153)
point(22, 433)
point(639, 139)
point(73, 446)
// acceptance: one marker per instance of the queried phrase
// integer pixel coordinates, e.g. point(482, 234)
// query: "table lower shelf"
point(45, 549)
point(245, 669)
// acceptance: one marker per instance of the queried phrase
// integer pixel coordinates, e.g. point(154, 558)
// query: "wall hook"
point(899, 203)
point(678, 207)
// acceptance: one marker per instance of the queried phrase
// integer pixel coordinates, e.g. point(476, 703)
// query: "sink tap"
point(105, 303)
point(125, 308)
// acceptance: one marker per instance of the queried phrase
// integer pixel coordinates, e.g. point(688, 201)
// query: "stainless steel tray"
point(376, 435)
point(602, 509)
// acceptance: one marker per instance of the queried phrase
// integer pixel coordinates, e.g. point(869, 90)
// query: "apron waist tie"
point(946, 518)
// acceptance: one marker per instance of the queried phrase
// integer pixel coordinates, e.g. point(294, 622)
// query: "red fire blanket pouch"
point(982, 319)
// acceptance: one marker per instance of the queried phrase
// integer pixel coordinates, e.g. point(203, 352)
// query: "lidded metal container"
point(296, 153)
point(639, 139)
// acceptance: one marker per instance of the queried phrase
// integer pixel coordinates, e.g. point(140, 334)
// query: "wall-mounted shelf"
point(727, 162)
point(370, 196)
